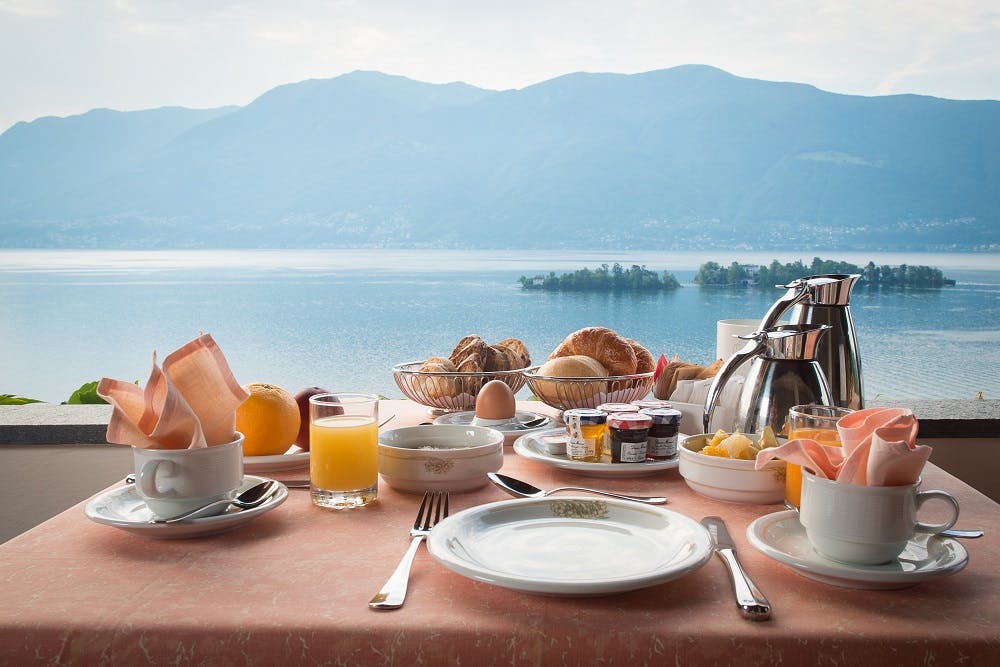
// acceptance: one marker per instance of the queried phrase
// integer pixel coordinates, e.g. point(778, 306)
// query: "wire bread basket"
point(448, 392)
point(565, 393)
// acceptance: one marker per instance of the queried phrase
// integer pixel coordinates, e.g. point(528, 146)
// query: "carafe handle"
point(756, 345)
point(798, 291)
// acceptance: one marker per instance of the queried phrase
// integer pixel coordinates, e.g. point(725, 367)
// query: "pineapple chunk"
point(738, 446)
point(767, 438)
point(719, 436)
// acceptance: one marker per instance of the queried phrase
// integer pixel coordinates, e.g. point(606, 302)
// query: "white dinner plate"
point(573, 546)
point(292, 459)
point(782, 537)
point(124, 508)
point(541, 446)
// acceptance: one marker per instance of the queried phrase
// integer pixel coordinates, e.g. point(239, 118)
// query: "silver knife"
point(751, 602)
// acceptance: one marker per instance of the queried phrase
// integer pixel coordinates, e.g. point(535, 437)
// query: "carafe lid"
point(832, 289)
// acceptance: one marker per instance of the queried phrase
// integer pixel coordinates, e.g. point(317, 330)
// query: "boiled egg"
point(495, 402)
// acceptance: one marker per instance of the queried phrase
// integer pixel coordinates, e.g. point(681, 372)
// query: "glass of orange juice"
point(343, 449)
point(814, 422)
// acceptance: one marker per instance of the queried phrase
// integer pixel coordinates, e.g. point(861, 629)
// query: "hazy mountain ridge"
point(690, 157)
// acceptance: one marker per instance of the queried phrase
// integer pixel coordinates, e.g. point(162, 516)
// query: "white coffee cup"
point(726, 331)
point(865, 525)
point(174, 481)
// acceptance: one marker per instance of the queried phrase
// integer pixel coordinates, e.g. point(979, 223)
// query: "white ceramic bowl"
point(439, 457)
point(732, 480)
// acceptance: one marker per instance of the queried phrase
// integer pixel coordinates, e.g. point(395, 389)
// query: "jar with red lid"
point(629, 434)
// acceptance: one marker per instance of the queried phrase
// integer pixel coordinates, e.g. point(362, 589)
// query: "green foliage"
point(604, 279)
point(776, 273)
point(86, 394)
point(11, 399)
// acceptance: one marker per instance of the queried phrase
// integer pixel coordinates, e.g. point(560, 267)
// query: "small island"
point(753, 275)
point(613, 278)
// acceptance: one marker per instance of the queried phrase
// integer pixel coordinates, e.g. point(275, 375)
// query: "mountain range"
point(684, 158)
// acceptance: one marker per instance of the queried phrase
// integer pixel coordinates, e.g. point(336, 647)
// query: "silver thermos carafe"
point(783, 372)
point(825, 299)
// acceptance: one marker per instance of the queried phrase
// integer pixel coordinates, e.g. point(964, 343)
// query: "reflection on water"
point(342, 319)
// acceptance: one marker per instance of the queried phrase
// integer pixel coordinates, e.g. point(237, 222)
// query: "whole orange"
point(269, 420)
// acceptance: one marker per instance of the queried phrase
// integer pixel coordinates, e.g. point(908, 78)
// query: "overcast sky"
point(63, 57)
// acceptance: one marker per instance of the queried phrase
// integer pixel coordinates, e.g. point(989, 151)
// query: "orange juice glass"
point(343, 450)
point(815, 422)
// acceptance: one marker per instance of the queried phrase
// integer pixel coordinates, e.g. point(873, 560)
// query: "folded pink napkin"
point(878, 449)
point(190, 402)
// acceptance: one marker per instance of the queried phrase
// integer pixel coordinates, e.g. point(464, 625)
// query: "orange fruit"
point(269, 420)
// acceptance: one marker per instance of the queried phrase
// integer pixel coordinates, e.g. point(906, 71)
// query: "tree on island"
point(712, 273)
point(613, 278)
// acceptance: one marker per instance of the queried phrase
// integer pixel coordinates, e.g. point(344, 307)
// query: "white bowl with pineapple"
point(721, 466)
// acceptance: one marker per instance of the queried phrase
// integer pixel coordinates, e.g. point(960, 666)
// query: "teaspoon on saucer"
point(519, 489)
point(255, 496)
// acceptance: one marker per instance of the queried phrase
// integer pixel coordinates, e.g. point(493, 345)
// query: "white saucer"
point(541, 446)
point(781, 537)
point(511, 431)
point(290, 460)
point(123, 508)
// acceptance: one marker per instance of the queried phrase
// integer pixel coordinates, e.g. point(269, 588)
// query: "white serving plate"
point(123, 508)
point(292, 459)
point(780, 536)
point(536, 446)
point(570, 546)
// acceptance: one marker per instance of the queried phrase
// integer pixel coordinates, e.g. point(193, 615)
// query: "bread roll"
point(516, 351)
point(435, 386)
point(496, 359)
point(603, 344)
point(555, 392)
point(576, 366)
point(469, 357)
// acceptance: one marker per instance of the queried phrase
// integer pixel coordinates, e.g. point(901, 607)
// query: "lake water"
point(342, 318)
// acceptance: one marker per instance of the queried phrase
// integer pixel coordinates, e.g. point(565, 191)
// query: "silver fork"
point(433, 508)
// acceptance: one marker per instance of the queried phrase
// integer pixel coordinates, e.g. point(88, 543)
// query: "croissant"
point(644, 360)
point(603, 344)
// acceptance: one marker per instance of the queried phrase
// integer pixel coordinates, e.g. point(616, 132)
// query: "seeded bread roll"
point(600, 343)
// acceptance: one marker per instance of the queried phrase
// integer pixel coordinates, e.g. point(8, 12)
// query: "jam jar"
point(587, 430)
point(663, 432)
point(629, 436)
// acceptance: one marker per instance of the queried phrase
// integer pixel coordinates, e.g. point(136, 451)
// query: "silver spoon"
point(517, 488)
point(255, 496)
point(969, 534)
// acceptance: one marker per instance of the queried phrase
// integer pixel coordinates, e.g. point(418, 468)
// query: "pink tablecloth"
point(292, 586)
